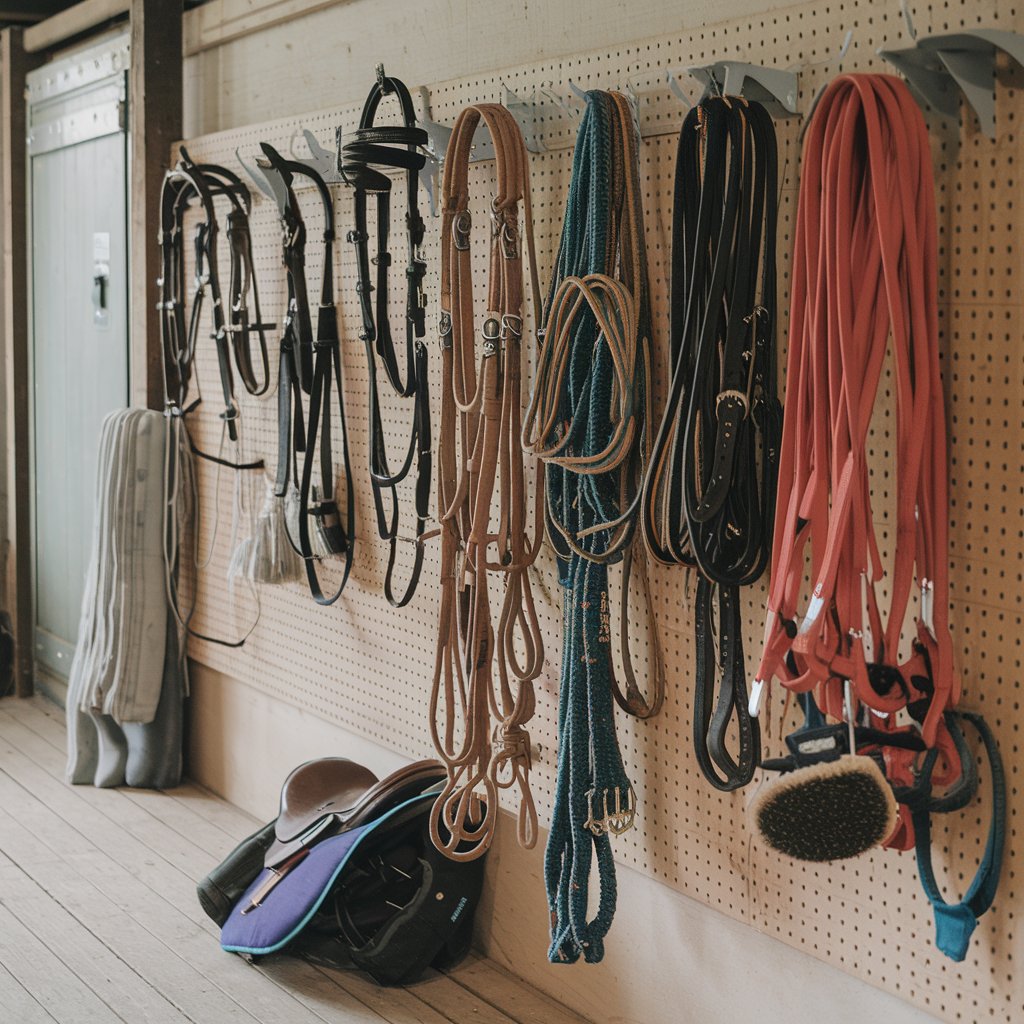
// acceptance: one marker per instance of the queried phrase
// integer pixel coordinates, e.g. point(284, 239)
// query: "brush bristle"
point(828, 811)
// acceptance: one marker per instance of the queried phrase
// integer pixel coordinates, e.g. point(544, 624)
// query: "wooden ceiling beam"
point(71, 22)
point(28, 12)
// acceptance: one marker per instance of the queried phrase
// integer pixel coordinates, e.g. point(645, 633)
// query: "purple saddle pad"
point(291, 904)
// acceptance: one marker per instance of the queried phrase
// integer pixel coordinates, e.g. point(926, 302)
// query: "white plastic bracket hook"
point(774, 87)
point(939, 68)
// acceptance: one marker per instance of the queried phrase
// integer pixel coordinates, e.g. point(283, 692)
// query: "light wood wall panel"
point(367, 668)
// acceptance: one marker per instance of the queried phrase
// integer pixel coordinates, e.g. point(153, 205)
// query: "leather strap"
point(709, 495)
point(392, 147)
point(480, 470)
point(183, 185)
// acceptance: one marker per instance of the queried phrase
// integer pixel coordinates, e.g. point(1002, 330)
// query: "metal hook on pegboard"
point(835, 58)
point(439, 136)
point(267, 184)
point(321, 160)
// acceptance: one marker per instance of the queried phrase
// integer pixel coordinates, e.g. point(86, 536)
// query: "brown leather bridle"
point(490, 525)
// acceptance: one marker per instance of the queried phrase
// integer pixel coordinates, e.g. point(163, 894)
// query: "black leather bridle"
point(232, 328)
point(394, 147)
point(709, 497)
point(232, 331)
point(310, 363)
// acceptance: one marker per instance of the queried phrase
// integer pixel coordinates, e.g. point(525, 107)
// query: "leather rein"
point(709, 495)
point(490, 526)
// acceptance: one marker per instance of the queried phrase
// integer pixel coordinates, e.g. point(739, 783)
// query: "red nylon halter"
point(864, 272)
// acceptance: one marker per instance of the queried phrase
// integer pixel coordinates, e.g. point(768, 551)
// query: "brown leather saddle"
point(332, 795)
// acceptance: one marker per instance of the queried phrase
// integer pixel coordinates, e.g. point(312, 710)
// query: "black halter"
point(309, 364)
point(393, 147)
point(186, 182)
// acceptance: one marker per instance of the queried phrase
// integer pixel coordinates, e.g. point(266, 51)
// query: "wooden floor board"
point(100, 886)
point(18, 1004)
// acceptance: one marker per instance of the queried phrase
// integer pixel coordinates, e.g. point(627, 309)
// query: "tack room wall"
point(707, 928)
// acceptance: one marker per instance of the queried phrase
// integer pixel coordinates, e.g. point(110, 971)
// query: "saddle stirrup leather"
point(392, 147)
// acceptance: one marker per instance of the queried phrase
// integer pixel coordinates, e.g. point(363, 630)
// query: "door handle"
point(100, 281)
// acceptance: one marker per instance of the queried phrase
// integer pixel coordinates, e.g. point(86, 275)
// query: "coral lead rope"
point(864, 290)
point(709, 494)
point(587, 420)
point(488, 528)
point(368, 148)
point(864, 271)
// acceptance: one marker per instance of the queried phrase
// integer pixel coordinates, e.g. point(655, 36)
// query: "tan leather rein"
point(490, 525)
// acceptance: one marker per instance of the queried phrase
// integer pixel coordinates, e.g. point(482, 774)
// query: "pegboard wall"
point(369, 668)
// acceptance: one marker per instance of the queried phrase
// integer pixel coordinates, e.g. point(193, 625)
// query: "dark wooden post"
point(15, 64)
point(155, 123)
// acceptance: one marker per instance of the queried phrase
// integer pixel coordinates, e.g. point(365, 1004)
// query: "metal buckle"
point(460, 230)
point(511, 323)
point(492, 336)
point(731, 394)
point(612, 820)
point(509, 241)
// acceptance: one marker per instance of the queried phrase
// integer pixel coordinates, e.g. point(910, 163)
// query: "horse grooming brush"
point(831, 803)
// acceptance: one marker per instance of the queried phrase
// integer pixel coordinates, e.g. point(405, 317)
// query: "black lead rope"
point(393, 147)
point(709, 497)
point(313, 362)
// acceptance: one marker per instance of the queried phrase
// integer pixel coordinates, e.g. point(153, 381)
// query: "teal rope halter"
point(587, 411)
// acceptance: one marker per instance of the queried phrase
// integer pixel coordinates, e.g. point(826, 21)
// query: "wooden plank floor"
point(99, 922)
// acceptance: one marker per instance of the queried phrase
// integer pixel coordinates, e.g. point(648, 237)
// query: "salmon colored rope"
point(864, 283)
